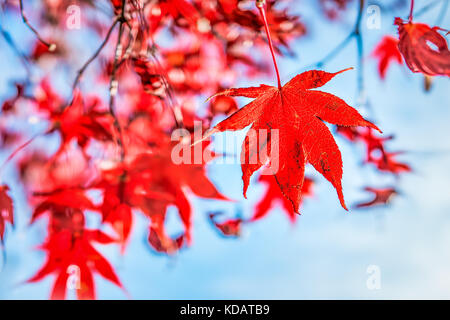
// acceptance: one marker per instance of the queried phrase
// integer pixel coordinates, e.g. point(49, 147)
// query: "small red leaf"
point(386, 52)
point(6, 210)
point(423, 48)
point(381, 197)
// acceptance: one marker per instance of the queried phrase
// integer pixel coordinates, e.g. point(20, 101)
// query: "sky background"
point(326, 254)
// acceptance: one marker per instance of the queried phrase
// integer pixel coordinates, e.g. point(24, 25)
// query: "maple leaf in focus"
point(6, 210)
point(298, 114)
point(73, 258)
point(381, 197)
point(273, 194)
point(423, 48)
point(227, 228)
point(386, 52)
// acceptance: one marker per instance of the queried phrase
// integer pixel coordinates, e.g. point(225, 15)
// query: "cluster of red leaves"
point(378, 156)
point(119, 165)
point(424, 51)
point(69, 246)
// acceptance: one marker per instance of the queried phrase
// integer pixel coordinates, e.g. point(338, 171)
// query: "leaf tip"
point(350, 68)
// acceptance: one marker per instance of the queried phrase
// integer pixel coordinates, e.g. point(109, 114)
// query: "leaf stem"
point(411, 11)
point(260, 4)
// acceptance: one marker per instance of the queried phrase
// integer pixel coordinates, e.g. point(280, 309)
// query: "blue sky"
point(327, 253)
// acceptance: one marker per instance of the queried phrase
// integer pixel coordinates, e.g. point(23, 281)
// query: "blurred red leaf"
point(6, 210)
point(229, 227)
point(381, 197)
point(387, 52)
point(273, 195)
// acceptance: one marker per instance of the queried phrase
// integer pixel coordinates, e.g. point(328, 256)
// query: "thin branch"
point(355, 33)
point(174, 106)
point(441, 16)
point(427, 7)
point(18, 149)
point(95, 55)
point(360, 50)
point(22, 57)
point(113, 85)
point(51, 46)
point(334, 52)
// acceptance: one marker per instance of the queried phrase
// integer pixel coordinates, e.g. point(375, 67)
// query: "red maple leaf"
point(160, 241)
point(77, 123)
point(67, 252)
point(381, 197)
point(386, 52)
point(167, 177)
point(69, 246)
point(423, 48)
point(387, 163)
point(59, 200)
point(374, 143)
point(298, 114)
point(6, 210)
point(273, 195)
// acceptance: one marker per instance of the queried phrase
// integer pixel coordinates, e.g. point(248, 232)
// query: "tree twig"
point(51, 46)
point(22, 57)
point(113, 84)
point(95, 55)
